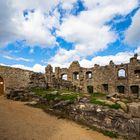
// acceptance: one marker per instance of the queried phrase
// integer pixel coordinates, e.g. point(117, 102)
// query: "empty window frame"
point(121, 73)
point(76, 75)
point(89, 75)
point(64, 77)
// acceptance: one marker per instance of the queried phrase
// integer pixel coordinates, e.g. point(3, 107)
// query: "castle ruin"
point(123, 78)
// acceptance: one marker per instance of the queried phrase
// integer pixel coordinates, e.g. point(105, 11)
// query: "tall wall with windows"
point(123, 78)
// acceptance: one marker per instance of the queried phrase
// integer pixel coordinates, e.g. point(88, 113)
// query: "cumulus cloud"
point(121, 57)
point(89, 31)
point(35, 28)
point(132, 35)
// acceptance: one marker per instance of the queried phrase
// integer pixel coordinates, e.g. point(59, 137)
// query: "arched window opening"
point(121, 89)
point(1, 86)
point(121, 73)
point(76, 76)
point(64, 77)
point(89, 75)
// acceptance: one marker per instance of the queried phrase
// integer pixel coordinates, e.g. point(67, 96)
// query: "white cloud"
point(122, 57)
point(88, 31)
point(17, 58)
point(64, 58)
point(36, 30)
point(133, 32)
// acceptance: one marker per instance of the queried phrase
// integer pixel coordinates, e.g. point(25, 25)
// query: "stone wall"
point(107, 79)
point(15, 78)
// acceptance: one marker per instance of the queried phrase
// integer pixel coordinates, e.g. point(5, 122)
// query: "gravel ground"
point(21, 122)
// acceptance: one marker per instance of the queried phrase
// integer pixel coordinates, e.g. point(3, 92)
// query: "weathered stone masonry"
point(123, 78)
point(15, 78)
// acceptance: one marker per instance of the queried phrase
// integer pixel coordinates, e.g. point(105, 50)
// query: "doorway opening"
point(1, 86)
point(90, 89)
point(121, 89)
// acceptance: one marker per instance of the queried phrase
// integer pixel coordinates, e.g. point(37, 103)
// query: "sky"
point(35, 33)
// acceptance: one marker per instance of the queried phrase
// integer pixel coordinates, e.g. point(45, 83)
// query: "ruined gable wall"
point(104, 75)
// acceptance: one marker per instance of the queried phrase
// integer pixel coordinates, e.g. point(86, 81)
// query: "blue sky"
point(36, 33)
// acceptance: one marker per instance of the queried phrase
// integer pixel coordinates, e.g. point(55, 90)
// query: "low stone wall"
point(15, 78)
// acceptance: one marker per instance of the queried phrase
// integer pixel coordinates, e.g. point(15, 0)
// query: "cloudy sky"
point(34, 33)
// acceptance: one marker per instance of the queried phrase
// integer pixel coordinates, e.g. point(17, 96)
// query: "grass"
point(61, 94)
point(102, 103)
point(98, 95)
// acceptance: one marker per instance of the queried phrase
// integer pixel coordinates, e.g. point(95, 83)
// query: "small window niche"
point(121, 89)
point(137, 71)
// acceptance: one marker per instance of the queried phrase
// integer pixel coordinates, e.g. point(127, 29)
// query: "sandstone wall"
point(105, 79)
point(15, 78)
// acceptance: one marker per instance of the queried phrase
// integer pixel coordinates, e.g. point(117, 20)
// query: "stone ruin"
point(123, 79)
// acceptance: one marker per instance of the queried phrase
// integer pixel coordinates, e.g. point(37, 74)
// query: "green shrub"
point(115, 106)
point(110, 134)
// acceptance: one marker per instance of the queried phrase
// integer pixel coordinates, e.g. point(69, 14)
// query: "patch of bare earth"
point(21, 122)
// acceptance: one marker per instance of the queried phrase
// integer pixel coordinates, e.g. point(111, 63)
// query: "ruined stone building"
point(123, 78)
point(15, 78)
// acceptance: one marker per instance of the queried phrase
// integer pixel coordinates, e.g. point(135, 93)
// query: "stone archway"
point(1, 86)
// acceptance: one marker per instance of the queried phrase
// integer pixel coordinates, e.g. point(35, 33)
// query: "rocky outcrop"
point(81, 110)
point(134, 109)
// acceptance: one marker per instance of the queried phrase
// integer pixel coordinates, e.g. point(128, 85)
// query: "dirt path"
point(20, 122)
